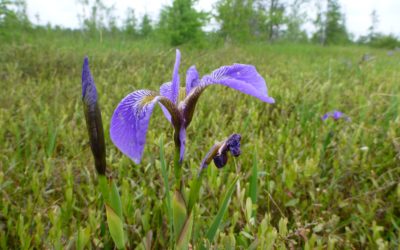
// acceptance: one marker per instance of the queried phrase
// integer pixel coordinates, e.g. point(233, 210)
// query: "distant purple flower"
point(130, 120)
point(335, 115)
point(219, 152)
point(93, 118)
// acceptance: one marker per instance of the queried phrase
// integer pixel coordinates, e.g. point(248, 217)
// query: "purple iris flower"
point(130, 120)
point(335, 115)
point(93, 119)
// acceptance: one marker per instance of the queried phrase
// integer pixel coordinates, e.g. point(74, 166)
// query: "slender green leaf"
point(185, 234)
point(253, 181)
point(224, 206)
point(51, 143)
point(103, 185)
point(179, 211)
point(115, 199)
point(164, 173)
point(115, 226)
point(83, 238)
point(194, 191)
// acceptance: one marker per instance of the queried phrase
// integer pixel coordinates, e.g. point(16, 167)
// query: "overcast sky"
point(65, 12)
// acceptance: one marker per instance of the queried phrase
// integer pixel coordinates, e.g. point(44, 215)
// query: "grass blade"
point(164, 174)
point(185, 234)
point(115, 226)
point(218, 218)
point(253, 181)
point(179, 212)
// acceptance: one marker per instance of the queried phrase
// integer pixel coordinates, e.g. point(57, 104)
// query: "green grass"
point(309, 193)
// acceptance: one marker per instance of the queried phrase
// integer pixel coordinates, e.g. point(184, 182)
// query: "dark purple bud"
point(219, 152)
point(233, 144)
point(93, 119)
point(221, 160)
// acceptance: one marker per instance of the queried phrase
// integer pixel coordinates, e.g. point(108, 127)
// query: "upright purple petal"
point(175, 78)
point(165, 90)
point(192, 79)
point(130, 122)
point(241, 77)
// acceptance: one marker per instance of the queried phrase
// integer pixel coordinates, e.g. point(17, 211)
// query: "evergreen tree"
point(320, 24)
point(181, 23)
point(130, 22)
point(145, 26)
point(331, 27)
point(336, 32)
point(373, 28)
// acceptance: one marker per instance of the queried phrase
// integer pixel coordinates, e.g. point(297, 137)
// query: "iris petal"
point(165, 90)
point(130, 122)
point(192, 79)
point(175, 78)
point(241, 77)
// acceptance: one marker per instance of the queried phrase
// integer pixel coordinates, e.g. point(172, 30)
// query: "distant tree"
point(14, 21)
point(130, 23)
point(96, 17)
point(330, 24)
point(295, 19)
point(372, 30)
point(275, 10)
point(182, 23)
point(336, 32)
point(145, 26)
point(237, 19)
point(319, 35)
point(13, 13)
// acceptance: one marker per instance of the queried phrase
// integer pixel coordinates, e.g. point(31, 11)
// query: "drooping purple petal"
point(241, 77)
point(130, 122)
point(192, 79)
point(335, 115)
point(175, 78)
point(89, 92)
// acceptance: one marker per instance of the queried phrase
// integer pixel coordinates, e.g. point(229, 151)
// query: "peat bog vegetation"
point(303, 182)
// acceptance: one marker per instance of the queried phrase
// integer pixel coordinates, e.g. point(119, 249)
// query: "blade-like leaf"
point(164, 173)
point(104, 189)
point(185, 234)
point(194, 192)
point(83, 237)
point(116, 227)
point(179, 211)
point(253, 181)
point(115, 199)
point(224, 206)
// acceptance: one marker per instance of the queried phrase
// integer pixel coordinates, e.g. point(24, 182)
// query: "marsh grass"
point(293, 192)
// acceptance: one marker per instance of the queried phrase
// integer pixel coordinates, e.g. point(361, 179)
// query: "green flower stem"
point(177, 169)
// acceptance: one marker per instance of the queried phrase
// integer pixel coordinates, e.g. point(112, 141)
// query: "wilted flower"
point(336, 115)
point(219, 152)
point(93, 118)
point(130, 120)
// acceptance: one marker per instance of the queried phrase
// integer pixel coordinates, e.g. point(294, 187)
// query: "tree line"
point(237, 21)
